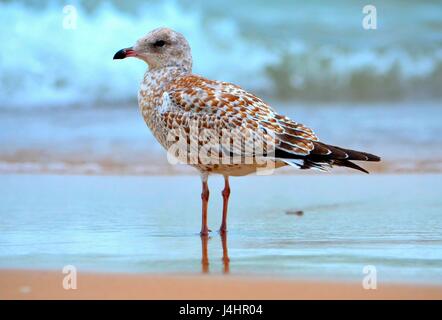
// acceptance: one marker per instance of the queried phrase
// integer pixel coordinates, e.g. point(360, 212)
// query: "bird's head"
point(160, 48)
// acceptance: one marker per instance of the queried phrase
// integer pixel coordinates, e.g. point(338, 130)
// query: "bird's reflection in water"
point(205, 256)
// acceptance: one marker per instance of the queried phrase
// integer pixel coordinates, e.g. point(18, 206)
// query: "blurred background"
point(66, 106)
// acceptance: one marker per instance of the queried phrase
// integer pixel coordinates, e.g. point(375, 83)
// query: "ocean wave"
point(43, 64)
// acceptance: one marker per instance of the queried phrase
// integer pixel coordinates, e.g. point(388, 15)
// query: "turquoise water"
point(303, 50)
point(151, 224)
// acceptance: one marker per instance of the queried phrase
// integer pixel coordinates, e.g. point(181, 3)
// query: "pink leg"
point(226, 194)
point(205, 199)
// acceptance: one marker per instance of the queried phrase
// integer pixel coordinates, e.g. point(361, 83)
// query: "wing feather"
point(224, 106)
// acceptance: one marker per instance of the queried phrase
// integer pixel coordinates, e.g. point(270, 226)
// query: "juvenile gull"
point(177, 104)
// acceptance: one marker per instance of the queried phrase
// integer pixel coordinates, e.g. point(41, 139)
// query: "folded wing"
point(222, 109)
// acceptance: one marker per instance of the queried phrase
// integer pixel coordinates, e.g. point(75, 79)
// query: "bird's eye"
point(159, 43)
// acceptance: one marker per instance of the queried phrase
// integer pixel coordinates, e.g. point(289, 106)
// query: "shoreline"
point(108, 167)
point(116, 140)
point(35, 284)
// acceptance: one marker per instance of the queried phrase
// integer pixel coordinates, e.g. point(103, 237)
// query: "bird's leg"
point(205, 201)
point(226, 194)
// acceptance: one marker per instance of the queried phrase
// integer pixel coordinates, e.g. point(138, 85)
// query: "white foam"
point(43, 65)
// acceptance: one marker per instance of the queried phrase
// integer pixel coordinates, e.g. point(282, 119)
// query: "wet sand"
point(17, 284)
point(137, 237)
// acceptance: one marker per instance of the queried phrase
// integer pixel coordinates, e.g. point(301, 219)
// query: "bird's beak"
point(124, 53)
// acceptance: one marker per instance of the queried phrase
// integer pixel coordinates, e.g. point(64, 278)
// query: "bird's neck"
point(158, 78)
point(154, 84)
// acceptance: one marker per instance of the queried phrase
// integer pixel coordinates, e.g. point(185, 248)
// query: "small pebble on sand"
point(295, 212)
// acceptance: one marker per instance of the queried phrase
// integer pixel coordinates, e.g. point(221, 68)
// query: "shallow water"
point(151, 224)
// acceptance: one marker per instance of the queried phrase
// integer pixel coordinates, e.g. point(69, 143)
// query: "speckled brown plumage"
point(177, 104)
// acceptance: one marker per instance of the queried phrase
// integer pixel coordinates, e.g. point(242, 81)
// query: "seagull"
point(189, 113)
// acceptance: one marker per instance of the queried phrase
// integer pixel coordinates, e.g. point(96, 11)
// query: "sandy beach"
point(17, 284)
point(127, 241)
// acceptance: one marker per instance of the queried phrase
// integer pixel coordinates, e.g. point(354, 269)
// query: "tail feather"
point(333, 152)
point(359, 155)
point(323, 156)
point(348, 164)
